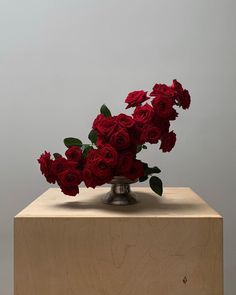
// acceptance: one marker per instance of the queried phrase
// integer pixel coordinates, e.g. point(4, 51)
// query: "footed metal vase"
point(120, 194)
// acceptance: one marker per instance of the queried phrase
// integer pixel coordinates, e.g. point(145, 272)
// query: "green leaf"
point(86, 148)
point(156, 185)
point(71, 141)
point(56, 155)
point(139, 148)
point(145, 167)
point(93, 135)
point(151, 170)
point(143, 178)
point(105, 111)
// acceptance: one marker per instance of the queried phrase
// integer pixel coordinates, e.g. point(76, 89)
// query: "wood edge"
point(34, 200)
point(118, 217)
point(203, 200)
point(215, 214)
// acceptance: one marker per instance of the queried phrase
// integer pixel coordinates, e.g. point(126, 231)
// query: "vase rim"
point(122, 179)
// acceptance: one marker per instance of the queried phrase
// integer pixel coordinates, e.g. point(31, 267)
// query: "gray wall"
point(60, 60)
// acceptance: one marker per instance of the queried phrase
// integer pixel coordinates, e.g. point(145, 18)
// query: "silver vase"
point(120, 193)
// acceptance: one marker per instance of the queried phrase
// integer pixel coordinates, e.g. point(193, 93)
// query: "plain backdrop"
point(61, 59)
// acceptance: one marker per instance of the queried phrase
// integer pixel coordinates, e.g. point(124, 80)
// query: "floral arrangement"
point(117, 139)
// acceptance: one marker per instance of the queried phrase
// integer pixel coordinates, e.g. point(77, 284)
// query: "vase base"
point(119, 199)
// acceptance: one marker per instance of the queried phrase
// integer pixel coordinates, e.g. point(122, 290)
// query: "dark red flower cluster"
point(153, 120)
point(117, 140)
point(99, 167)
point(67, 172)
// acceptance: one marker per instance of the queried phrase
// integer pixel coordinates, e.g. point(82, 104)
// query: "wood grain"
point(167, 251)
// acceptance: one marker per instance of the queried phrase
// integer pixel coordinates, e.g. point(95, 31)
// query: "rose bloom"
point(185, 99)
point(97, 121)
point(120, 140)
point(61, 164)
point(109, 154)
point(125, 162)
point(135, 134)
point(168, 142)
point(151, 134)
point(173, 115)
point(177, 86)
point(163, 124)
point(45, 162)
point(70, 190)
point(92, 156)
point(125, 121)
point(89, 178)
point(70, 177)
point(135, 98)
point(182, 95)
point(143, 114)
point(101, 140)
point(96, 163)
point(163, 106)
point(163, 90)
point(105, 126)
point(136, 170)
point(74, 153)
point(102, 170)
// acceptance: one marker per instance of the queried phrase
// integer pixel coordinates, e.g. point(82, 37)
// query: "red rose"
point(101, 140)
point(74, 153)
point(162, 90)
point(97, 121)
point(61, 164)
point(135, 98)
point(97, 164)
point(163, 124)
point(185, 99)
point(102, 170)
point(133, 149)
point(89, 178)
point(70, 177)
point(125, 121)
point(125, 162)
point(70, 190)
point(173, 115)
point(135, 134)
point(105, 126)
point(151, 134)
point(143, 114)
point(182, 95)
point(136, 170)
point(92, 155)
point(168, 142)
point(177, 86)
point(109, 154)
point(120, 140)
point(45, 162)
point(163, 106)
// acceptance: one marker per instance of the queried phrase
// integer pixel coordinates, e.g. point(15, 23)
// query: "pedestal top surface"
point(176, 202)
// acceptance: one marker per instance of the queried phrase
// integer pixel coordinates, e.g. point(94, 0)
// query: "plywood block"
point(169, 246)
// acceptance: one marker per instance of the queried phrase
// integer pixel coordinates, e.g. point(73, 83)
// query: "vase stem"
point(120, 193)
point(120, 188)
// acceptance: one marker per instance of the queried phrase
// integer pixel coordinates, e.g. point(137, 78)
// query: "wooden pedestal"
point(70, 246)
